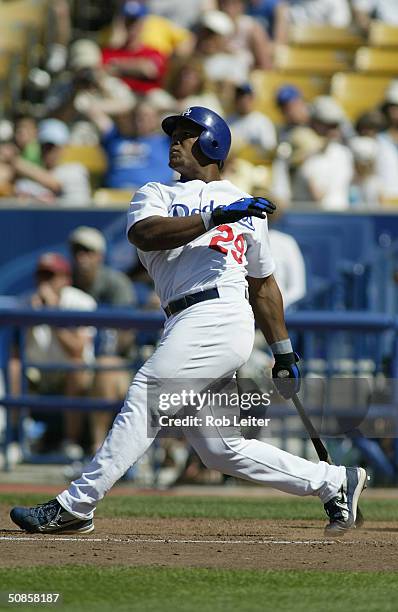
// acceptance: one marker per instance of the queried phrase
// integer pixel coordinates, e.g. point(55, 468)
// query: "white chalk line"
point(170, 541)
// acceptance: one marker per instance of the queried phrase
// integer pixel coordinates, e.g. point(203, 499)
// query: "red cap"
point(54, 262)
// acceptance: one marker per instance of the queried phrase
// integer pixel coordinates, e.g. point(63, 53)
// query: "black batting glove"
point(286, 374)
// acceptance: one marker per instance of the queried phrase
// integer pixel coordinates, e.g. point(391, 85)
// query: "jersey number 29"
point(234, 244)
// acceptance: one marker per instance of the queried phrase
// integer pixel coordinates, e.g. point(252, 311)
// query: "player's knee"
point(215, 456)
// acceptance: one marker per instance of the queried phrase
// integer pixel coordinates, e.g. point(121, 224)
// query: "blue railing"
point(332, 337)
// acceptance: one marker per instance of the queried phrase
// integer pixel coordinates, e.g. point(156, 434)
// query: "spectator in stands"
point(277, 15)
point(249, 126)
point(294, 109)
point(324, 178)
point(327, 119)
point(366, 187)
point(135, 23)
point(306, 145)
point(319, 12)
point(136, 152)
point(387, 158)
point(67, 183)
point(109, 92)
point(221, 65)
point(111, 288)
point(272, 14)
point(86, 81)
point(186, 87)
point(61, 34)
point(147, 300)
point(47, 345)
point(184, 14)
point(6, 130)
point(249, 39)
point(141, 66)
point(366, 10)
point(27, 140)
point(8, 155)
point(370, 124)
point(289, 264)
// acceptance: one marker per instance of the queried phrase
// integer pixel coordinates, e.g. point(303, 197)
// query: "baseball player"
point(205, 243)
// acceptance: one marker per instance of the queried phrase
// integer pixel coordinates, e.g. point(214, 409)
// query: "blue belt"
point(189, 300)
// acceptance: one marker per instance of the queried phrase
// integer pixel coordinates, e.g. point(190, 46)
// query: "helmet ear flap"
point(209, 144)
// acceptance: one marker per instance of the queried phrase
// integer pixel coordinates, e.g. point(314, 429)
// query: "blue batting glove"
point(286, 374)
point(245, 207)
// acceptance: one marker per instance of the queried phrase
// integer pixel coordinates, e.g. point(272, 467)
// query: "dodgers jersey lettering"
point(222, 256)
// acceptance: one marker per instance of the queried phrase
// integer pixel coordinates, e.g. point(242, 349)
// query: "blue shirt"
point(132, 162)
point(265, 13)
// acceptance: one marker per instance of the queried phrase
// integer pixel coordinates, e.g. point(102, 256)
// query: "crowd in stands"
point(102, 92)
point(85, 129)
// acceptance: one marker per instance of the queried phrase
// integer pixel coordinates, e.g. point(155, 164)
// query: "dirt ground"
point(238, 544)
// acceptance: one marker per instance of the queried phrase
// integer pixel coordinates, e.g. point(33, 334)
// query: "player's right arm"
point(151, 229)
point(164, 233)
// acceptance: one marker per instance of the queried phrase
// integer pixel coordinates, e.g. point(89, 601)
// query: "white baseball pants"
point(209, 340)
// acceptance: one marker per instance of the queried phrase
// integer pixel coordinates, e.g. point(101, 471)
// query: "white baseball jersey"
point(222, 256)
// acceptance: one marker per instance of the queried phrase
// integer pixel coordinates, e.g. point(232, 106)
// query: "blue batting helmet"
point(215, 139)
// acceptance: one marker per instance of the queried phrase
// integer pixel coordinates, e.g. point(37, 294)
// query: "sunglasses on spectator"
point(45, 275)
point(48, 146)
point(78, 248)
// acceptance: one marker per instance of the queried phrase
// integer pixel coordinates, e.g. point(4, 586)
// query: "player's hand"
point(286, 374)
point(245, 207)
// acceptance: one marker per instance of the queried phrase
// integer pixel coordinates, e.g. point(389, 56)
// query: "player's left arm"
point(267, 304)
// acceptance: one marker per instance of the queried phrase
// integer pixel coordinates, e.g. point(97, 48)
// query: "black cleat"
point(342, 509)
point(50, 517)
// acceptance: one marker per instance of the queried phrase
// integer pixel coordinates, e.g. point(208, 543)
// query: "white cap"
point(363, 148)
point(88, 237)
point(84, 53)
point(391, 95)
point(6, 130)
point(327, 110)
point(218, 22)
point(53, 131)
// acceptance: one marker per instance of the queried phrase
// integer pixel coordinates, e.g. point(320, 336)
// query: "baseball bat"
point(319, 446)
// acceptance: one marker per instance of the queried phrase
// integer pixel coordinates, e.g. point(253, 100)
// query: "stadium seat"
point(32, 18)
point(358, 93)
point(13, 37)
point(115, 198)
point(33, 12)
point(267, 83)
point(377, 61)
point(323, 36)
point(390, 202)
point(383, 34)
point(306, 61)
point(92, 157)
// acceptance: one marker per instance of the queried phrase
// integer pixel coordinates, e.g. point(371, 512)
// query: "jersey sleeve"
point(260, 262)
point(146, 202)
